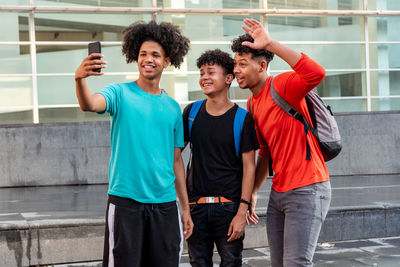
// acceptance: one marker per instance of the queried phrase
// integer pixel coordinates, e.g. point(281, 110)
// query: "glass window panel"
point(117, 3)
point(15, 2)
point(324, 28)
point(208, 27)
point(316, 4)
point(69, 114)
point(336, 56)
point(384, 28)
point(15, 91)
point(385, 104)
point(54, 90)
point(15, 59)
point(16, 116)
point(384, 5)
point(196, 50)
point(384, 56)
point(11, 28)
point(341, 84)
point(347, 105)
point(83, 27)
point(60, 60)
point(385, 83)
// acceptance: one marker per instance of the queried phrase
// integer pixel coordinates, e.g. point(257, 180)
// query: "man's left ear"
point(167, 60)
point(228, 79)
point(263, 65)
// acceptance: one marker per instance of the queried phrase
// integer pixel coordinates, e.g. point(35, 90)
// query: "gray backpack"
point(325, 127)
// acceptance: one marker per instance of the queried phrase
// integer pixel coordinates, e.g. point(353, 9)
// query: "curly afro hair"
point(218, 57)
point(237, 47)
point(175, 45)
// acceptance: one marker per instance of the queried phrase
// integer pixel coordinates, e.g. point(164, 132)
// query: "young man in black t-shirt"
point(220, 181)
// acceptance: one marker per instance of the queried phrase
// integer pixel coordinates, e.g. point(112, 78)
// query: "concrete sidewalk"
point(380, 252)
point(383, 252)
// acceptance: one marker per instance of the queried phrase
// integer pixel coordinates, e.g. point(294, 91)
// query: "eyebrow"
point(207, 68)
point(151, 51)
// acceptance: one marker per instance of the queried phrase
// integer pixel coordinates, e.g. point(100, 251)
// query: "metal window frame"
point(197, 11)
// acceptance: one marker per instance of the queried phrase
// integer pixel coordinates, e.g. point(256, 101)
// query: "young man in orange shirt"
point(301, 193)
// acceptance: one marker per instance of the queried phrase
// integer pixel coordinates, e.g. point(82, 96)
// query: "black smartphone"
point(95, 47)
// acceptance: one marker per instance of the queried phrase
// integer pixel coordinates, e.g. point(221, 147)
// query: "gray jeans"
point(294, 220)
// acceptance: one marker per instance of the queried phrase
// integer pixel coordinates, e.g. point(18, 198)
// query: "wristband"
point(245, 202)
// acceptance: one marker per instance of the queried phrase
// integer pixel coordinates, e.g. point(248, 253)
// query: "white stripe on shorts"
point(111, 218)
point(180, 230)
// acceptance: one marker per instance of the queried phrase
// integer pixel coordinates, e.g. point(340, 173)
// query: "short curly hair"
point(218, 57)
point(175, 45)
point(237, 47)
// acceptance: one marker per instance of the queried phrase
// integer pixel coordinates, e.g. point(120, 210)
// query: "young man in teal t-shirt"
point(146, 170)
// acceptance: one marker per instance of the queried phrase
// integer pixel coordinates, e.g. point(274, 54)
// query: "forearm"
point(85, 97)
point(180, 183)
point(261, 173)
point(249, 170)
point(286, 53)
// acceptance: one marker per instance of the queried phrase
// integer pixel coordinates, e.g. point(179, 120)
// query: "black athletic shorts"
point(142, 235)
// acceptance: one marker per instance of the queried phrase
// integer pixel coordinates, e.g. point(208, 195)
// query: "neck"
point(150, 86)
point(257, 88)
point(218, 104)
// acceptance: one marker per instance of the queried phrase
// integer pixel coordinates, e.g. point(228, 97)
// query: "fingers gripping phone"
point(95, 47)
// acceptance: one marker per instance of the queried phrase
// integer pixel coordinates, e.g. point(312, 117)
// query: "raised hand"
point(88, 65)
point(258, 33)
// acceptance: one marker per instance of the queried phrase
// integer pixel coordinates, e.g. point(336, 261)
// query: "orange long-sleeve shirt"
point(283, 135)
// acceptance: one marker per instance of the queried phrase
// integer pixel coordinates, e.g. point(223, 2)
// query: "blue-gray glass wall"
point(39, 51)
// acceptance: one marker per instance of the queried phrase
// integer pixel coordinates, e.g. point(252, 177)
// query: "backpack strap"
point(193, 113)
point(291, 111)
point(238, 127)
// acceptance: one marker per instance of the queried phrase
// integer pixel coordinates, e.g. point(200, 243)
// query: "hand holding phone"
point(95, 47)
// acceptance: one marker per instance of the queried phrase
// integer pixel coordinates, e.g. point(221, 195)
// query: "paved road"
point(384, 252)
point(379, 252)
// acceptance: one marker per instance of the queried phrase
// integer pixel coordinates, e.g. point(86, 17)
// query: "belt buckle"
point(210, 199)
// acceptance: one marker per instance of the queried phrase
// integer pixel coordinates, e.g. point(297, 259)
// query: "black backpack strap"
point(291, 111)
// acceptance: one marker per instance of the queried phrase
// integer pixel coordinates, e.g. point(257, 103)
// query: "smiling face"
point(247, 70)
point(213, 80)
point(151, 60)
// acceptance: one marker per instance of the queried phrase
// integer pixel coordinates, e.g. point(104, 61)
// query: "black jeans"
point(211, 225)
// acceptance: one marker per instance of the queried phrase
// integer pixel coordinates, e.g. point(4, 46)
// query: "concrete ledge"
point(78, 152)
point(76, 240)
point(54, 245)
point(351, 224)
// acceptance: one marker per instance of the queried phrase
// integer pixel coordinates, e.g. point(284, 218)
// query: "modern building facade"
point(42, 42)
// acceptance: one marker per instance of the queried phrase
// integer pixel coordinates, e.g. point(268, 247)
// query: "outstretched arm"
point(236, 228)
point(87, 100)
point(181, 191)
point(262, 40)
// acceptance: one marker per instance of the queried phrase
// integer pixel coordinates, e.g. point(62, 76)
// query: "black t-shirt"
point(217, 171)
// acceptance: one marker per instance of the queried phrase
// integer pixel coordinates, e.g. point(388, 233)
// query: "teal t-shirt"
point(145, 129)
